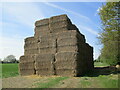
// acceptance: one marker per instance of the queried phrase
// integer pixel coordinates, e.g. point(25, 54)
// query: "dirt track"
point(21, 82)
point(71, 82)
point(104, 74)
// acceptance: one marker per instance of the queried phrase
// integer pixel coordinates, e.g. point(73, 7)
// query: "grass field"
point(98, 64)
point(98, 79)
point(9, 70)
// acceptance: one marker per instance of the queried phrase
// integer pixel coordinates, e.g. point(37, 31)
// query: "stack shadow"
point(57, 48)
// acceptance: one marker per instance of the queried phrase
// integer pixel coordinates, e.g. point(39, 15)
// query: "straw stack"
point(57, 48)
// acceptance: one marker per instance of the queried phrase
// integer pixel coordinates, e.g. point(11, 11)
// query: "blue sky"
point(17, 22)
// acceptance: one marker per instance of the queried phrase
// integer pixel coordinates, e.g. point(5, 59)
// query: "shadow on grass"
point(107, 70)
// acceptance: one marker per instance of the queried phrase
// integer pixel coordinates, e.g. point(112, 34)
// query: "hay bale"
point(26, 65)
point(27, 58)
point(66, 56)
point(63, 64)
point(42, 22)
point(47, 42)
point(30, 46)
point(49, 50)
point(45, 57)
point(59, 18)
point(41, 33)
point(66, 41)
point(72, 33)
point(58, 25)
point(58, 30)
point(32, 51)
point(44, 72)
point(29, 39)
point(67, 48)
point(42, 28)
point(25, 72)
point(43, 64)
point(66, 72)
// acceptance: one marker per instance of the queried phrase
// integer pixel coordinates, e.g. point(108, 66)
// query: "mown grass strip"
point(51, 82)
point(107, 81)
point(97, 64)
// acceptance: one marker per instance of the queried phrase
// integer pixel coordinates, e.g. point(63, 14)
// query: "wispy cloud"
point(88, 29)
point(16, 15)
point(66, 10)
point(22, 13)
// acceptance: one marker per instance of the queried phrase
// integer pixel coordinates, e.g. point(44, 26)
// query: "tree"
point(110, 35)
point(10, 58)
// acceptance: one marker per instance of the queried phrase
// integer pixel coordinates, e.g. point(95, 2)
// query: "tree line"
point(110, 36)
point(9, 59)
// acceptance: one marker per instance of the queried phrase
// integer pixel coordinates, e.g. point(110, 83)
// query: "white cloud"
point(96, 54)
point(88, 29)
point(11, 45)
point(66, 10)
point(25, 13)
point(20, 13)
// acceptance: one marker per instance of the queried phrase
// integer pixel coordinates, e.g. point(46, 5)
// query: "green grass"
point(9, 70)
point(51, 82)
point(102, 81)
point(97, 64)
point(107, 81)
point(85, 83)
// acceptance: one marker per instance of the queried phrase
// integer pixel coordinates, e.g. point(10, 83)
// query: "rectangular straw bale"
point(44, 28)
point(41, 33)
point(44, 72)
point(46, 42)
point(24, 72)
point(58, 30)
point(65, 64)
point(66, 56)
point(66, 72)
point(31, 51)
point(45, 57)
point(90, 63)
point(67, 41)
point(58, 25)
point(67, 48)
point(26, 65)
point(29, 40)
point(70, 33)
point(27, 58)
point(43, 64)
point(55, 19)
point(49, 50)
point(42, 22)
point(30, 45)
point(51, 36)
